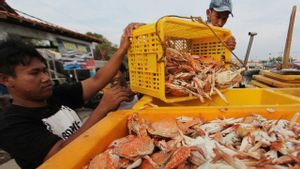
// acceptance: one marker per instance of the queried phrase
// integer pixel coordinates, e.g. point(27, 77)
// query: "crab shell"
point(134, 147)
point(165, 128)
point(104, 160)
point(157, 160)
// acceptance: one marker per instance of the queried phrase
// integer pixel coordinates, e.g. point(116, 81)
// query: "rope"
point(199, 20)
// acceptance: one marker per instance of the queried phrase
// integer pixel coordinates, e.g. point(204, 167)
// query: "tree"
point(105, 50)
point(263, 61)
point(279, 59)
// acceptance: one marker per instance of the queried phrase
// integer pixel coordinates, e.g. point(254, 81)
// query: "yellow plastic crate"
point(247, 97)
point(78, 153)
point(146, 55)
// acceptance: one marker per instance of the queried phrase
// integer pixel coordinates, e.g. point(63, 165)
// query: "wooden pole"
point(288, 42)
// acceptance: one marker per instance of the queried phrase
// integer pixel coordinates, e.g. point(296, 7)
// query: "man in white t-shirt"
point(41, 119)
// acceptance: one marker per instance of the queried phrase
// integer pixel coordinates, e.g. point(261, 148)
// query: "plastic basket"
point(95, 140)
point(146, 55)
point(248, 97)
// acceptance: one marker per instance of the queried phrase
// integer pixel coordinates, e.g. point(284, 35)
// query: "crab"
point(190, 142)
point(168, 146)
point(175, 90)
point(179, 156)
point(104, 160)
point(137, 125)
point(220, 154)
point(200, 76)
point(165, 128)
point(174, 55)
point(171, 128)
point(157, 160)
point(185, 123)
point(228, 78)
point(132, 147)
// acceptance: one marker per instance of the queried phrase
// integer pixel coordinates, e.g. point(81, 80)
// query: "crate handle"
point(194, 19)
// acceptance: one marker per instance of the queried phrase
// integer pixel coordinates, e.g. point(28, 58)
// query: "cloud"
point(268, 18)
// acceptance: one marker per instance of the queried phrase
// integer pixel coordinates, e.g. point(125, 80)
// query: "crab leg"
point(221, 95)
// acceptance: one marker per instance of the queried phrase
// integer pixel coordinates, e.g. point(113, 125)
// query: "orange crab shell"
point(179, 157)
point(138, 146)
point(104, 160)
point(165, 127)
point(159, 158)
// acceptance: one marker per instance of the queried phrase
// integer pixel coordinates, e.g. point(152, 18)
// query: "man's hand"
point(231, 43)
point(131, 94)
point(127, 34)
point(113, 97)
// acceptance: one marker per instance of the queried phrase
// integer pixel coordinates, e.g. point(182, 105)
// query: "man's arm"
point(103, 76)
point(231, 43)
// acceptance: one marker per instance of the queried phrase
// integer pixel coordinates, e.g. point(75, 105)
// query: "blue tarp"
point(72, 66)
point(3, 90)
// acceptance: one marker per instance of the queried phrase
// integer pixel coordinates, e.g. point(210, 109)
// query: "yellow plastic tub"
point(78, 153)
point(247, 97)
point(146, 60)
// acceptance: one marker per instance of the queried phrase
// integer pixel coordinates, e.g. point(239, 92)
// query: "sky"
point(268, 18)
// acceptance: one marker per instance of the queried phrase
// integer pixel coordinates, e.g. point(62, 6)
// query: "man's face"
point(31, 82)
point(217, 18)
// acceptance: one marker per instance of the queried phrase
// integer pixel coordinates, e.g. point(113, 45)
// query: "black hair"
point(14, 52)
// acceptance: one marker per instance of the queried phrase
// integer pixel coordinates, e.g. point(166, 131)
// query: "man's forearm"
point(103, 76)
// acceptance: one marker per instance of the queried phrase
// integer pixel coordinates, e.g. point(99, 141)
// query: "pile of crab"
point(198, 76)
point(189, 142)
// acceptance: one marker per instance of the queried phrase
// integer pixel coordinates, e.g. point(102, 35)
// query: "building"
point(72, 49)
